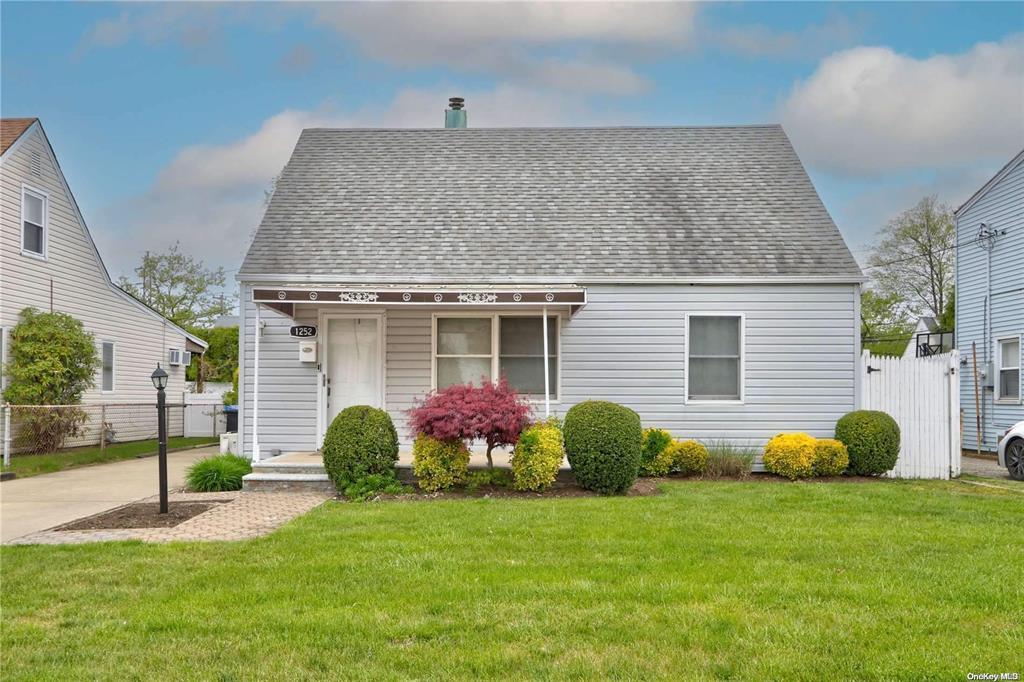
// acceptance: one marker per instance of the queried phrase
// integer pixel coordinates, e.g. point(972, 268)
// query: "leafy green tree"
point(52, 360)
point(220, 359)
point(181, 288)
point(886, 324)
point(914, 258)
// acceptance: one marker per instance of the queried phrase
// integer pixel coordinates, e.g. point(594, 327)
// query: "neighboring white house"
point(48, 261)
point(990, 306)
point(928, 339)
point(690, 273)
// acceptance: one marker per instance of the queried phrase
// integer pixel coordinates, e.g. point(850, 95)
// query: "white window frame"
point(687, 400)
point(45, 197)
point(997, 379)
point(495, 345)
point(113, 366)
point(181, 357)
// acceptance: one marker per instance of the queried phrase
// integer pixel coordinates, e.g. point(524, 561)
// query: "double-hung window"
point(1008, 369)
point(33, 222)
point(107, 366)
point(485, 347)
point(714, 357)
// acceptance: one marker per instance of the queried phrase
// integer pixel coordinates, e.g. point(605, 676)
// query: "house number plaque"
point(303, 331)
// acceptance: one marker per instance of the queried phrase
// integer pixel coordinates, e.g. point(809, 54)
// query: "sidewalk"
point(29, 505)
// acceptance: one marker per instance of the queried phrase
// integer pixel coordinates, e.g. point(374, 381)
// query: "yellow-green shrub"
point(688, 457)
point(439, 464)
point(655, 458)
point(537, 457)
point(830, 457)
point(790, 455)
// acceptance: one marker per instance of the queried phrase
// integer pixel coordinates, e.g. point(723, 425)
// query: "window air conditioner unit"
point(174, 357)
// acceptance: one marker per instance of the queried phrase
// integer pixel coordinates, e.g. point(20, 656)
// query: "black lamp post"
point(159, 378)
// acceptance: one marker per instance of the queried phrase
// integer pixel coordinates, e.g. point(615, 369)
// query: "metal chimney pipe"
point(455, 114)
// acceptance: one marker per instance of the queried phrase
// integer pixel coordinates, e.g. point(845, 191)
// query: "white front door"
point(353, 369)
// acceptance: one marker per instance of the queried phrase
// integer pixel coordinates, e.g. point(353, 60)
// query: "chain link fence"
point(42, 429)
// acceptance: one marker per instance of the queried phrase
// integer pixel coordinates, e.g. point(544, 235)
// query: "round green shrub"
point(655, 459)
point(439, 464)
point(361, 441)
point(603, 442)
point(688, 457)
point(537, 457)
point(872, 439)
point(217, 473)
point(830, 457)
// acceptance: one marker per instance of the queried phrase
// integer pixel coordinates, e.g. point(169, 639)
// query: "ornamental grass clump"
point(830, 457)
point(439, 464)
point(688, 457)
point(790, 455)
point(655, 458)
point(360, 442)
point(603, 442)
point(727, 460)
point(218, 473)
point(872, 439)
point(537, 457)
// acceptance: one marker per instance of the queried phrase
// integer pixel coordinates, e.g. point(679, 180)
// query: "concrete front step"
point(286, 481)
point(288, 468)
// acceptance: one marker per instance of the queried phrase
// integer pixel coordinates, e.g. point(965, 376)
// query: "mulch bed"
point(143, 515)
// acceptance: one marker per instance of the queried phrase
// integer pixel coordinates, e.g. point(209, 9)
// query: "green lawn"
point(33, 465)
point(886, 580)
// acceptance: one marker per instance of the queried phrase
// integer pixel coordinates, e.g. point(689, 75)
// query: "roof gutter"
point(533, 279)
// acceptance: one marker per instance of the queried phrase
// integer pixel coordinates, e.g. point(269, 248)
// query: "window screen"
point(521, 354)
point(464, 351)
point(108, 365)
point(1009, 369)
point(714, 358)
point(33, 227)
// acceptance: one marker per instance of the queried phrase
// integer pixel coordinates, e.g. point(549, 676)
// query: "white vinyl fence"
point(923, 396)
point(204, 414)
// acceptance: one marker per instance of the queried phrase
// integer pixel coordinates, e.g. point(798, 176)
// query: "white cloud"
point(552, 45)
point(869, 110)
point(758, 40)
point(211, 196)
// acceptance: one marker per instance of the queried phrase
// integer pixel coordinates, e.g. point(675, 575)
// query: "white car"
point(1011, 451)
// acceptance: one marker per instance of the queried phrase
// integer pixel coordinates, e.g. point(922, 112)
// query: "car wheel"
point(1015, 459)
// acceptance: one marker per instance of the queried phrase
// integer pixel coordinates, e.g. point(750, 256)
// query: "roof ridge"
point(740, 126)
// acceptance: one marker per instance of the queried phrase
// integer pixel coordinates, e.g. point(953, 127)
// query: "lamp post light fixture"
point(159, 377)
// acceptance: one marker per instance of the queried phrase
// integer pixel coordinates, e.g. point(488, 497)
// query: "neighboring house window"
point(33, 222)
point(464, 350)
point(714, 357)
point(468, 349)
point(1008, 374)
point(107, 366)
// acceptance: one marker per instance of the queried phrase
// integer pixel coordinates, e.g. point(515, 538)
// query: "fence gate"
point(923, 396)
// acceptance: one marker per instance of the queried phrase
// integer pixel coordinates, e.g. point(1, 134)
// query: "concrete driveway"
point(29, 505)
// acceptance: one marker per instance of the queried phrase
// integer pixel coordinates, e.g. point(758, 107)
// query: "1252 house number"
point(303, 331)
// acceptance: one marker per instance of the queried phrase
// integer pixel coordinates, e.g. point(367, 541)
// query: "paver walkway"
point(247, 515)
point(29, 505)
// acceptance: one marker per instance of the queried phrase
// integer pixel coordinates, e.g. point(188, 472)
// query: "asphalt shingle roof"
point(496, 204)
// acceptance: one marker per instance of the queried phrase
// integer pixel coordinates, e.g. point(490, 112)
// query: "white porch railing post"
point(256, 387)
point(547, 378)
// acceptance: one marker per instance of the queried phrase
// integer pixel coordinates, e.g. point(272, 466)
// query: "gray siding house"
point(990, 306)
point(49, 261)
point(691, 273)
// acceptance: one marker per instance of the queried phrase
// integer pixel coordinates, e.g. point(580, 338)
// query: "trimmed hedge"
point(830, 457)
point(217, 473)
point(603, 442)
point(689, 457)
point(439, 464)
point(655, 459)
point(360, 442)
point(537, 457)
point(872, 439)
point(790, 455)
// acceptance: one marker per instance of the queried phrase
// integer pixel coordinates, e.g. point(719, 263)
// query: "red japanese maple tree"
point(493, 413)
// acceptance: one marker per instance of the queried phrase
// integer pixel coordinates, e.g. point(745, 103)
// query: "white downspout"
point(547, 377)
point(256, 388)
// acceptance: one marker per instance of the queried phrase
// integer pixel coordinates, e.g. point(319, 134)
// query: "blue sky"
point(170, 120)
